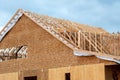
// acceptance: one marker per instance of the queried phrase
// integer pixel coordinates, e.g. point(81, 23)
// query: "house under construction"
point(39, 47)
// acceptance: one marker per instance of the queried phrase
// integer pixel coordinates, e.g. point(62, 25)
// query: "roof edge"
point(102, 56)
point(11, 23)
point(20, 12)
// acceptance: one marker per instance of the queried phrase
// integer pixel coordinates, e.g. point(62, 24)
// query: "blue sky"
point(100, 13)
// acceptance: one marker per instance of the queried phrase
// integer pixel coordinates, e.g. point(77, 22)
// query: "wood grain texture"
point(82, 72)
point(9, 76)
point(44, 51)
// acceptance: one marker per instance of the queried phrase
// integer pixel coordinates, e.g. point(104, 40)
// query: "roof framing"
point(11, 23)
point(53, 32)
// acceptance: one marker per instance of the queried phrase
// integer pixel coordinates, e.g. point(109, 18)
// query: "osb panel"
point(77, 73)
point(58, 73)
point(101, 70)
point(9, 76)
point(44, 51)
point(94, 72)
point(83, 72)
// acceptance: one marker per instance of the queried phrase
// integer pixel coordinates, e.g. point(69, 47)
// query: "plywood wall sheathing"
point(9, 76)
point(82, 72)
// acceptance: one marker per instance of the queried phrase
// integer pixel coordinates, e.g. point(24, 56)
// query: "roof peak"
point(67, 23)
point(54, 26)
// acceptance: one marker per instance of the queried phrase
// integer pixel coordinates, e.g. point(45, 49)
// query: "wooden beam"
point(79, 38)
point(84, 43)
point(89, 43)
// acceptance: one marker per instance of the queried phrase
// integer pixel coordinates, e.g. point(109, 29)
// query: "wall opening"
point(13, 53)
point(67, 76)
point(30, 78)
point(112, 72)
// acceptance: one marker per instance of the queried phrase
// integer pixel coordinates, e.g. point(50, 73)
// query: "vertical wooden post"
point(110, 48)
point(95, 40)
point(119, 43)
point(101, 42)
point(89, 42)
point(84, 44)
point(75, 39)
point(113, 45)
point(79, 37)
point(116, 44)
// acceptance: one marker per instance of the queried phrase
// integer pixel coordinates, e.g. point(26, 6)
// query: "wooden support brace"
point(89, 43)
point(79, 38)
